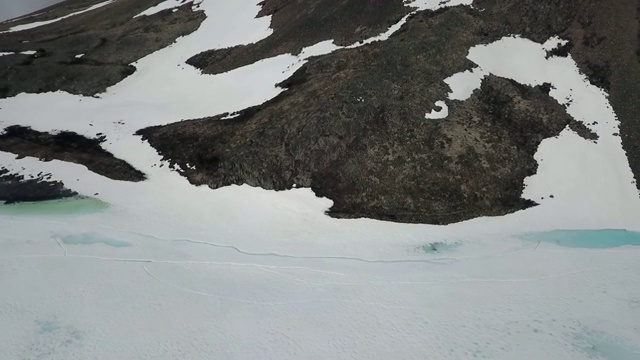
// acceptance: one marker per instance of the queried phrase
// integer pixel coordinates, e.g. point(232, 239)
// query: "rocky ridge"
point(351, 124)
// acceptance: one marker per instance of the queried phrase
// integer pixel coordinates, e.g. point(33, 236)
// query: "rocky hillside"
point(86, 53)
point(350, 124)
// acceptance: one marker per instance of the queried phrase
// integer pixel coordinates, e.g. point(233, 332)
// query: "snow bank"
point(168, 4)
point(438, 114)
point(47, 22)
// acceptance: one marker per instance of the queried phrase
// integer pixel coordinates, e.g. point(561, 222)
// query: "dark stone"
point(546, 88)
point(15, 188)
point(67, 146)
point(379, 157)
point(582, 130)
point(374, 159)
point(298, 24)
point(562, 50)
point(110, 38)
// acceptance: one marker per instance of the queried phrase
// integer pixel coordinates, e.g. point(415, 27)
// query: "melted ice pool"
point(593, 239)
point(91, 239)
point(70, 206)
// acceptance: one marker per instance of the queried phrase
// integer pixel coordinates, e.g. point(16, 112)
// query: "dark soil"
point(109, 37)
point(15, 188)
point(67, 146)
point(298, 24)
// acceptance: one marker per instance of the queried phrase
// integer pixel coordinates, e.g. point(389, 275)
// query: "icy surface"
point(47, 22)
point(594, 239)
point(92, 239)
point(242, 273)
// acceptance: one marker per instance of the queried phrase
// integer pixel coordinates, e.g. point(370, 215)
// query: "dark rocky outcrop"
point(379, 161)
point(110, 38)
point(67, 146)
point(604, 39)
point(16, 188)
point(298, 24)
point(351, 124)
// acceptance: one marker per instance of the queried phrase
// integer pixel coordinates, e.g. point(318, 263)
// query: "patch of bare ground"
point(16, 188)
point(67, 146)
point(298, 24)
point(109, 37)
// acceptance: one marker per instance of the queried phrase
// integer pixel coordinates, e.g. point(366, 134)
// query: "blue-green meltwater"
point(70, 206)
point(592, 239)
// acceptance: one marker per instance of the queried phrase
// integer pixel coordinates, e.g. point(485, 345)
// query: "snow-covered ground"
point(47, 22)
point(169, 270)
point(28, 52)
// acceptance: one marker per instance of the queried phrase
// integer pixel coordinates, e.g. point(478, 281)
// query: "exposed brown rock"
point(351, 126)
point(298, 24)
point(109, 37)
point(67, 146)
point(379, 161)
point(606, 39)
point(16, 188)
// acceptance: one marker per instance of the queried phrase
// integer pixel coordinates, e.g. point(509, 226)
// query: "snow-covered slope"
point(43, 23)
point(169, 270)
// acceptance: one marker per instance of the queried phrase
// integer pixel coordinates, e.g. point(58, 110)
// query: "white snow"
point(47, 22)
point(577, 172)
point(438, 114)
point(463, 83)
point(419, 5)
point(168, 4)
point(437, 4)
point(241, 272)
point(28, 52)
